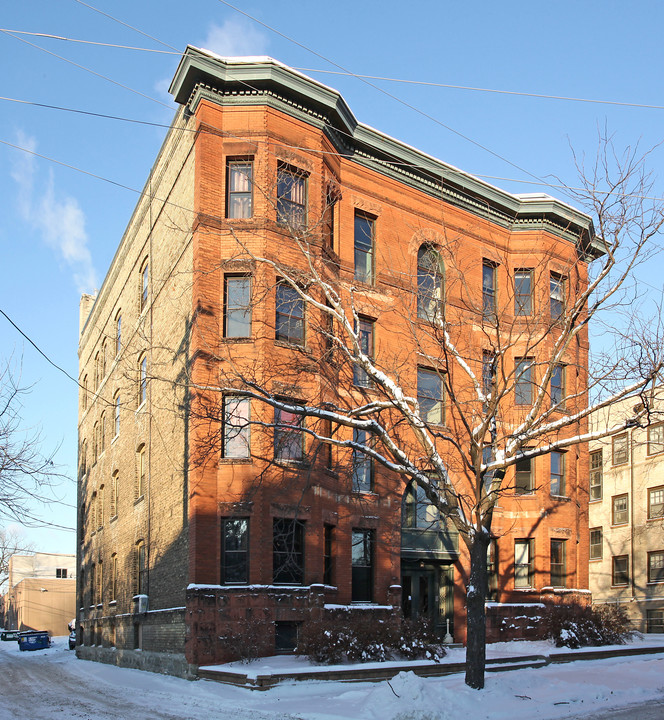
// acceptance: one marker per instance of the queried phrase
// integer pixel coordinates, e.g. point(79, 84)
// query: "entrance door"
point(427, 592)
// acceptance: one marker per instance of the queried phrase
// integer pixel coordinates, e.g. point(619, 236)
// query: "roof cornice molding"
point(264, 81)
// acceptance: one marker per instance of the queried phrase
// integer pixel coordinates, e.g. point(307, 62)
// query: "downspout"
point(631, 512)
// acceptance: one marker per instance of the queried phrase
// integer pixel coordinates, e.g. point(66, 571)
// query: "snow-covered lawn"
point(49, 684)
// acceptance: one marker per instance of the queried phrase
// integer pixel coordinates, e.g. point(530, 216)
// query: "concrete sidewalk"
point(376, 672)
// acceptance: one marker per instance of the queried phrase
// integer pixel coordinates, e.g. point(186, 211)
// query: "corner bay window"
point(289, 322)
point(239, 184)
point(364, 247)
point(234, 550)
point(365, 332)
point(291, 197)
point(523, 381)
point(288, 436)
point(237, 306)
point(429, 283)
point(557, 296)
point(362, 464)
point(236, 432)
point(488, 287)
point(523, 292)
point(362, 565)
point(287, 551)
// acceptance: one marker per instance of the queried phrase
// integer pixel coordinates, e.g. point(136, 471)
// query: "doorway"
point(427, 592)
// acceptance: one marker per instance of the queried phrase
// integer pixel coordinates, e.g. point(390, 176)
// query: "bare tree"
point(26, 473)
point(505, 399)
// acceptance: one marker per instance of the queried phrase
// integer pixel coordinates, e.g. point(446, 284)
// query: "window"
point(332, 197)
point(142, 379)
point(289, 325)
point(596, 474)
point(114, 576)
point(429, 283)
point(116, 419)
point(558, 563)
point(488, 375)
point(145, 277)
point(362, 566)
point(430, 395)
point(365, 332)
point(141, 585)
point(596, 543)
point(234, 551)
point(523, 563)
point(287, 551)
point(291, 197)
point(558, 385)
point(557, 473)
point(239, 184)
point(286, 635)
point(237, 299)
point(95, 442)
point(103, 360)
point(365, 227)
point(656, 502)
point(488, 287)
point(619, 510)
point(100, 508)
point(113, 500)
point(523, 382)
point(492, 570)
point(418, 511)
point(288, 437)
point(656, 439)
point(619, 447)
point(236, 431)
point(99, 590)
point(523, 476)
point(97, 371)
point(620, 570)
point(328, 554)
point(523, 292)
point(557, 296)
point(93, 512)
point(140, 479)
point(656, 566)
point(61, 573)
point(655, 621)
point(362, 464)
point(102, 433)
point(84, 399)
point(118, 334)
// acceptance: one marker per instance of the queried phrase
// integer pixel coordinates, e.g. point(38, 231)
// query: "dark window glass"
point(557, 296)
point(288, 437)
point(289, 326)
point(430, 395)
point(523, 385)
point(237, 318)
point(362, 566)
point(328, 561)
point(285, 636)
point(620, 570)
point(364, 247)
point(291, 198)
point(523, 292)
point(429, 283)
point(362, 464)
point(488, 288)
point(558, 385)
point(365, 332)
point(142, 575)
point(558, 563)
point(288, 551)
point(524, 476)
point(239, 200)
point(557, 473)
point(655, 621)
point(234, 550)
point(596, 543)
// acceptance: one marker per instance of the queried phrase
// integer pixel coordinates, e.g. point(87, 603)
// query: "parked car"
point(9, 635)
point(72, 639)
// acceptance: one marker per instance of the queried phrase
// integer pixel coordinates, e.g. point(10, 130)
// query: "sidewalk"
point(265, 673)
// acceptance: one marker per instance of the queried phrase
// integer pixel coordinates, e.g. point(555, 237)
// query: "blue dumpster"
point(34, 640)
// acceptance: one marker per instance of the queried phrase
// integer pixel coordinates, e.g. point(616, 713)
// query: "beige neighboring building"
point(41, 593)
point(626, 516)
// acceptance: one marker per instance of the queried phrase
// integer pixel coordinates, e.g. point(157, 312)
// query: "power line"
point(487, 90)
point(131, 27)
point(88, 42)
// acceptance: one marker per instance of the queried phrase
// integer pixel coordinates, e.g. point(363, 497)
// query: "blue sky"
point(60, 226)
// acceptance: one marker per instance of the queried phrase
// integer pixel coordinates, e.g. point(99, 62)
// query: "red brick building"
point(200, 522)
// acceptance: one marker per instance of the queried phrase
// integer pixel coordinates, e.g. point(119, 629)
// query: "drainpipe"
point(631, 512)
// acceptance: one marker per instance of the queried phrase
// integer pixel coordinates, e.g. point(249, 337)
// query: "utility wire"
point(88, 42)
point(131, 27)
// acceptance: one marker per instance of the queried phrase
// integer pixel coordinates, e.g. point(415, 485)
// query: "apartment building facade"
point(206, 517)
point(626, 514)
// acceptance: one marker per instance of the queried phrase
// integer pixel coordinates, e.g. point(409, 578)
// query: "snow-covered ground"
point(50, 684)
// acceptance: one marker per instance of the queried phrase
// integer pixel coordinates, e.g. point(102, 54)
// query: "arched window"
point(116, 419)
point(142, 379)
point(144, 280)
point(430, 276)
point(115, 481)
point(140, 472)
point(118, 334)
point(417, 510)
point(114, 576)
point(141, 569)
point(100, 508)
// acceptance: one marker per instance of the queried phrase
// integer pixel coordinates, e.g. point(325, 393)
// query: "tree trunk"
point(476, 613)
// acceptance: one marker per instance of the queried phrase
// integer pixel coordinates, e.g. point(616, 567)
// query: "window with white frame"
point(596, 475)
point(239, 189)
